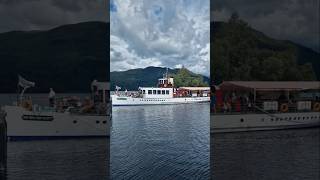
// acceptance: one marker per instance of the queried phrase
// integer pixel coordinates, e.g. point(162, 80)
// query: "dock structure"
point(3, 140)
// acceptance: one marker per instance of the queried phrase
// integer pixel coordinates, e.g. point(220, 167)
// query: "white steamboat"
point(164, 94)
point(251, 106)
point(68, 117)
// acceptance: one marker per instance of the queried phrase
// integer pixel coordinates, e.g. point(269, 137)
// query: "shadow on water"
point(281, 154)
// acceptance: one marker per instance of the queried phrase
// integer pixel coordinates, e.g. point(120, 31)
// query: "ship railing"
point(261, 107)
point(66, 103)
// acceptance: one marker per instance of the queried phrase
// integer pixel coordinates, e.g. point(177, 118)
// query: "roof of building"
point(196, 88)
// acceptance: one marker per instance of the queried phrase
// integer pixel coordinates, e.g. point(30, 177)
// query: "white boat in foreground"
point(69, 117)
point(164, 94)
point(251, 106)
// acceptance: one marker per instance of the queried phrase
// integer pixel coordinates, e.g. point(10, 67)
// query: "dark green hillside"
point(66, 58)
point(134, 78)
point(239, 52)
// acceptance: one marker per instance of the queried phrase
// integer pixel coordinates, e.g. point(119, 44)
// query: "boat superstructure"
point(164, 94)
point(68, 117)
point(262, 105)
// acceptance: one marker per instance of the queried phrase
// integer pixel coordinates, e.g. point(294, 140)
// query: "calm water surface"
point(58, 159)
point(281, 154)
point(160, 142)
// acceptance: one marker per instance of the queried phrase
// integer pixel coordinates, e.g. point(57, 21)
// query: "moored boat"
point(164, 94)
point(67, 117)
point(261, 105)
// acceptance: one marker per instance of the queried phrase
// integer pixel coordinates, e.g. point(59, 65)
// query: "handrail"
point(259, 107)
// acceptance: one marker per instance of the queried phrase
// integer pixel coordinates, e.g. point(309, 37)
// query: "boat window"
point(98, 97)
point(149, 91)
point(163, 92)
point(107, 95)
point(159, 92)
point(167, 91)
point(144, 91)
point(154, 91)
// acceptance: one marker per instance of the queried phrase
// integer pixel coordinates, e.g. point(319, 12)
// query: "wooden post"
point(3, 140)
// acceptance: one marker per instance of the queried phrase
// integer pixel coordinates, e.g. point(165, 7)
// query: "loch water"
point(160, 142)
point(291, 154)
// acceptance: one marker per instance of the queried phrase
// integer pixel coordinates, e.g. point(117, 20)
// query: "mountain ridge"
point(142, 77)
point(67, 58)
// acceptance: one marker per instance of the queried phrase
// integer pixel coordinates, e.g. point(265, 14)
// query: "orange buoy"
point(284, 107)
point(316, 107)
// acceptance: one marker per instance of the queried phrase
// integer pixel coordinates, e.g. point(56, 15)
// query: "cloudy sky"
point(46, 14)
point(162, 33)
point(296, 20)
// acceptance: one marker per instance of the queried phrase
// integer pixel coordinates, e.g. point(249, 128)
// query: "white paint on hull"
point(131, 101)
point(220, 123)
point(63, 124)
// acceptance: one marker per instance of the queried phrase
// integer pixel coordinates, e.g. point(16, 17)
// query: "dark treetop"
point(239, 52)
point(148, 77)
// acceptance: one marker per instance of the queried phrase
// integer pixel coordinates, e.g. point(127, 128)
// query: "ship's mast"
point(167, 74)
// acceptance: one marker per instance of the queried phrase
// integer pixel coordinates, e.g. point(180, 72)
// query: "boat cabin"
point(271, 96)
point(100, 92)
point(165, 82)
point(192, 92)
point(156, 92)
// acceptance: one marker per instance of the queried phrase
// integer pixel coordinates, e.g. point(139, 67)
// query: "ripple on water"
point(160, 142)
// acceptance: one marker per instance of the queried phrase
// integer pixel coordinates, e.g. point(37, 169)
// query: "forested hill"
point(148, 77)
point(239, 52)
point(66, 58)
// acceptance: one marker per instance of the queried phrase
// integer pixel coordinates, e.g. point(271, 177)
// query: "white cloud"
point(160, 33)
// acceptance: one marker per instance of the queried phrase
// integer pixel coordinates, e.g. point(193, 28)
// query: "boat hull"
point(23, 124)
point(130, 101)
point(221, 123)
